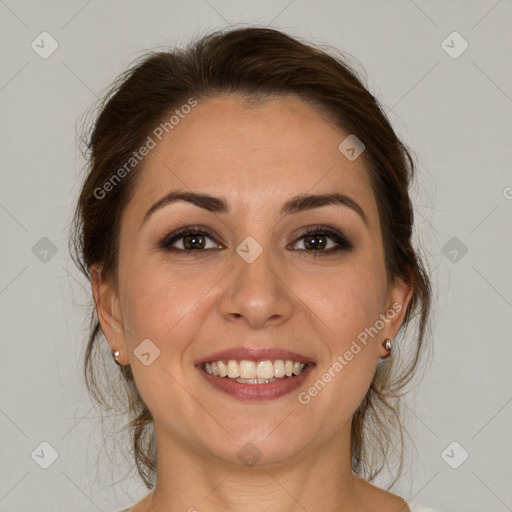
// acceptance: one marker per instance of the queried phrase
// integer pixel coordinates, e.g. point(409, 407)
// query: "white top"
point(418, 507)
point(415, 507)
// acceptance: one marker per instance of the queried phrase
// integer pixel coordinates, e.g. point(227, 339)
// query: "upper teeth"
point(254, 370)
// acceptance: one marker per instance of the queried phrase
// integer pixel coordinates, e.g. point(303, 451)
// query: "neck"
point(319, 478)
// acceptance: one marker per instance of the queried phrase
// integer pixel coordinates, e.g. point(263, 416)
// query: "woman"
point(246, 226)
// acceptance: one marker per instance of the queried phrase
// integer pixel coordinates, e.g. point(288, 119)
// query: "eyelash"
point(337, 237)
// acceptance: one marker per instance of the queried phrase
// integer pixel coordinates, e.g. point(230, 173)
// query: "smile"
point(252, 372)
point(256, 381)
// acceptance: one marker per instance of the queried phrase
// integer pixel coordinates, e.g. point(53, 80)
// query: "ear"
point(107, 307)
point(398, 299)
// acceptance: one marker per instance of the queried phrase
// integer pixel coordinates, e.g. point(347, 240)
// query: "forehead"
point(252, 154)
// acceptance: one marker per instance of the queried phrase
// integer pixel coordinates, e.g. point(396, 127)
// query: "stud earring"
point(388, 345)
point(115, 355)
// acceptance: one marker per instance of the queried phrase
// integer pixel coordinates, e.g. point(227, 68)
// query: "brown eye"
point(190, 240)
point(195, 241)
point(315, 242)
point(322, 241)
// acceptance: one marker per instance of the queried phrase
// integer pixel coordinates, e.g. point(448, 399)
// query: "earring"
point(388, 345)
point(115, 355)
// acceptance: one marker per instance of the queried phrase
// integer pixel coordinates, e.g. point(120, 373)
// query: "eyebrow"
point(299, 203)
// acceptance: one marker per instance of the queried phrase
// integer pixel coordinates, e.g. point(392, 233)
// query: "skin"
point(256, 157)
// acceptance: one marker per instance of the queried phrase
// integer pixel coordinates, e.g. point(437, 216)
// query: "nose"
point(257, 293)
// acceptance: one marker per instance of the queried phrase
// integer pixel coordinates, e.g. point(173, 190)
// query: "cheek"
point(347, 301)
point(159, 303)
point(346, 305)
point(169, 310)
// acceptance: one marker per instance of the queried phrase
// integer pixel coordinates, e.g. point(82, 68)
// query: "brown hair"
point(255, 63)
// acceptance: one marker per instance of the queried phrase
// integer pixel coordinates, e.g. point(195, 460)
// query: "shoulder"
point(384, 501)
point(413, 506)
point(376, 498)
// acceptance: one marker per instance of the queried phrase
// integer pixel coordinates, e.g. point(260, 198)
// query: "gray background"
point(454, 112)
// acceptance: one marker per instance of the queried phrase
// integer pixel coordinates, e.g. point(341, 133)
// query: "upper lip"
point(254, 354)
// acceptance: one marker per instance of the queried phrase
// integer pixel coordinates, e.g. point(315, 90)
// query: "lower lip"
point(257, 392)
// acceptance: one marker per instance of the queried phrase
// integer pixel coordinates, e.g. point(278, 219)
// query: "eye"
point(315, 241)
point(190, 239)
point(322, 241)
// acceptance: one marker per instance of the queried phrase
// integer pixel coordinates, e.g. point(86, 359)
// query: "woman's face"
point(254, 280)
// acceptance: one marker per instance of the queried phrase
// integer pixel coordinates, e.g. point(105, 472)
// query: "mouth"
point(255, 380)
point(252, 372)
